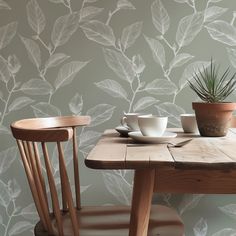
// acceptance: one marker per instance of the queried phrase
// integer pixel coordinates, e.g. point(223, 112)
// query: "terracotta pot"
point(213, 119)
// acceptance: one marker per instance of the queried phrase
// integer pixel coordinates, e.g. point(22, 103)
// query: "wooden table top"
point(112, 152)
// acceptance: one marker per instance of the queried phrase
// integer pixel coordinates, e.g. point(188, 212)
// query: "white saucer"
point(137, 136)
point(122, 130)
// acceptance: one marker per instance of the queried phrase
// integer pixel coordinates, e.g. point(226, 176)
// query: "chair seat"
point(114, 221)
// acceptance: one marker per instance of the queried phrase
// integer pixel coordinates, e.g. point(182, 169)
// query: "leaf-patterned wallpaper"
point(101, 58)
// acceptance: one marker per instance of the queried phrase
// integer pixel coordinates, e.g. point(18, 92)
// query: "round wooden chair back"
point(28, 133)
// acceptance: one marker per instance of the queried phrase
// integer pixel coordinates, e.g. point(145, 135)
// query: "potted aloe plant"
point(213, 114)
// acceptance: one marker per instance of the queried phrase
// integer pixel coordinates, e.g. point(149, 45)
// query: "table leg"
point(141, 201)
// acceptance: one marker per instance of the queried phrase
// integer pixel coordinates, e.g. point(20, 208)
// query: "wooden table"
point(205, 165)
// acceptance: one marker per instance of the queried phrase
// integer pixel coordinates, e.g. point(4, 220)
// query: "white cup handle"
point(123, 121)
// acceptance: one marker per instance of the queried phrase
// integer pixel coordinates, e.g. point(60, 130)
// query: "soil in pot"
point(213, 119)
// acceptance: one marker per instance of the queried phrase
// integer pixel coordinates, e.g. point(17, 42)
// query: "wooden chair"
point(67, 218)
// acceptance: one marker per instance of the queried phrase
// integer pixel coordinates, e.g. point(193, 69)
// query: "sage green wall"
point(103, 57)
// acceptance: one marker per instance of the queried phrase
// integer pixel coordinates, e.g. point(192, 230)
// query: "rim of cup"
point(152, 116)
point(187, 115)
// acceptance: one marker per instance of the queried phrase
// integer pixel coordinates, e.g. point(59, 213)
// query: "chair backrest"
point(28, 133)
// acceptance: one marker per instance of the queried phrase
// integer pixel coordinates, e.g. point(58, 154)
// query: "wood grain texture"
point(113, 152)
point(211, 153)
point(55, 129)
point(110, 152)
point(42, 211)
point(141, 201)
point(114, 221)
point(53, 191)
point(172, 180)
point(50, 129)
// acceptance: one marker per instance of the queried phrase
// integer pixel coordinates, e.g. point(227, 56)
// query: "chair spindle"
point(65, 179)
point(53, 190)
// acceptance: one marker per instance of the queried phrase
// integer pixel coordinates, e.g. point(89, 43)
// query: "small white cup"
point(130, 121)
point(189, 123)
point(153, 126)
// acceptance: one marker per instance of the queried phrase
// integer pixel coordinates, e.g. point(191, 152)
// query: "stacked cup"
point(149, 125)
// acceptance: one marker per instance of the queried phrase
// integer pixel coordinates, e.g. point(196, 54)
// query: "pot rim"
point(219, 106)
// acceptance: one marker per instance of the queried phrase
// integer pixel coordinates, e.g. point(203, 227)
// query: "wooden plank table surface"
point(205, 165)
point(115, 152)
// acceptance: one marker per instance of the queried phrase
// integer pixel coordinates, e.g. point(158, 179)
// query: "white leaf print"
point(188, 28)
point(88, 137)
point(76, 104)
point(55, 163)
point(215, 1)
point(190, 70)
point(138, 64)
point(56, 1)
point(4, 5)
point(158, 51)
point(36, 18)
point(43, 109)
point(180, 60)
point(130, 34)
point(7, 33)
point(4, 71)
point(30, 212)
point(225, 232)
point(88, 13)
point(19, 103)
point(200, 228)
point(87, 149)
point(4, 130)
point(160, 17)
point(100, 114)
point(13, 64)
point(36, 87)
point(119, 64)
point(172, 111)
point(83, 188)
point(181, 1)
point(125, 4)
point(33, 51)
point(118, 187)
point(56, 59)
point(232, 56)
point(212, 13)
point(5, 197)
point(229, 210)
point(64, 28)
point(68, 72)
point(144, 103)
point(90, 1)
point(99, 32)
point(161, 87)
point(223, 32)
point(14, 188)
point(7, 157)
point(113, 88)
point(20, 227)
point(189, 202)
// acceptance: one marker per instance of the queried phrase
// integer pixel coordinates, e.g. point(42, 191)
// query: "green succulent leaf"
point(212, 87)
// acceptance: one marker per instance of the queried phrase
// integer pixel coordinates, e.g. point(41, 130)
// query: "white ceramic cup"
point(130, 121)
point(153, 126)
point(189, 123)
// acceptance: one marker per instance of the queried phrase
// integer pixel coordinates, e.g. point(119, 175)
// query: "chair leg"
point(141, 202)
